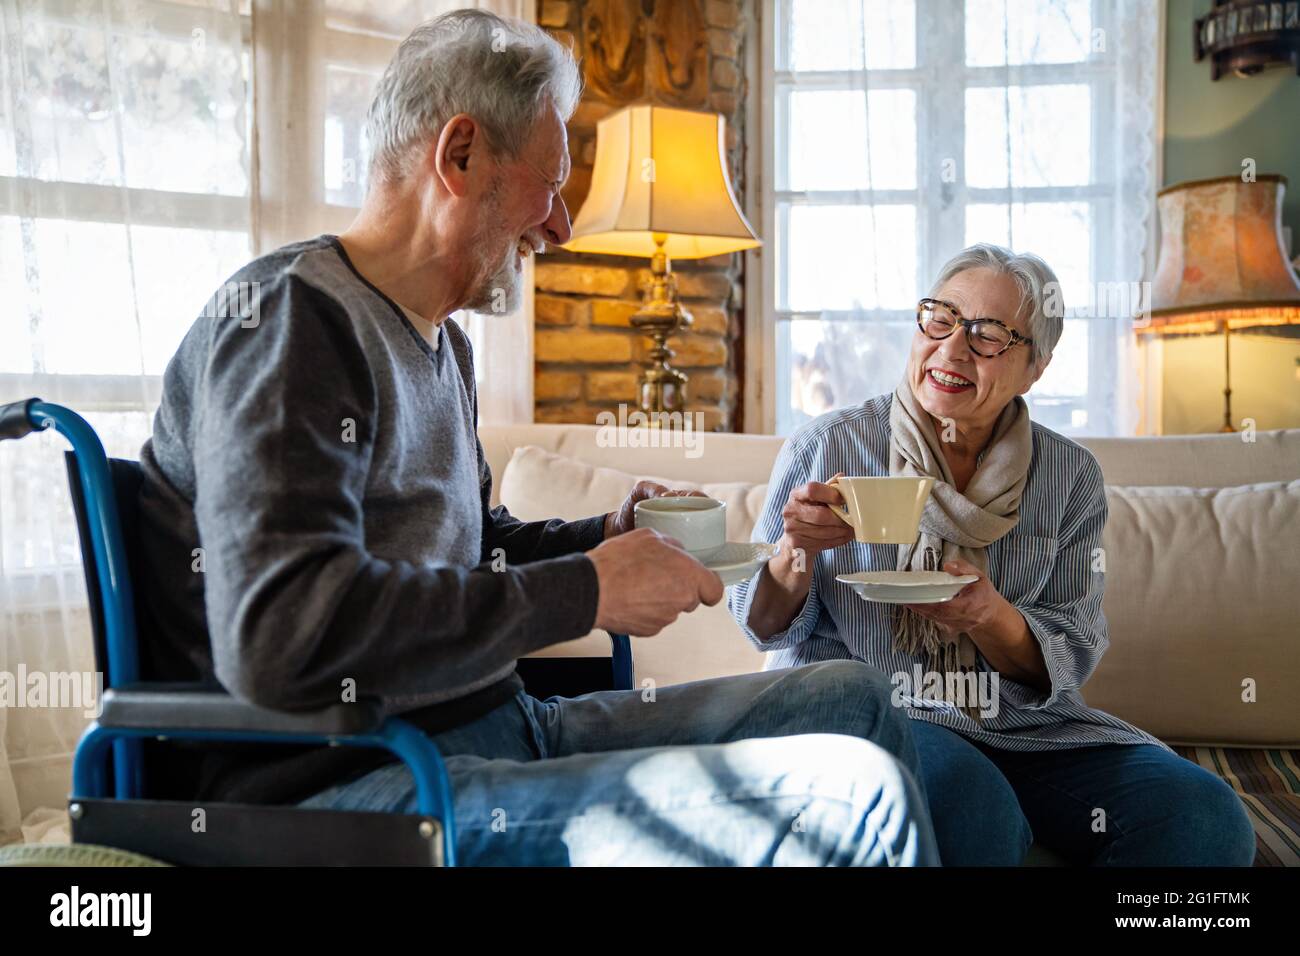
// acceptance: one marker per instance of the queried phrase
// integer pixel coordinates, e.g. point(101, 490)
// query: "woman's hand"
point(624, 519)
point(994, 624)
point(975, 607)
point(810, 525)
point(809, 528)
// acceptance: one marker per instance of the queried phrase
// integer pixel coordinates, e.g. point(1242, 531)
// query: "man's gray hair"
point(1040, 290)
point(501, 72)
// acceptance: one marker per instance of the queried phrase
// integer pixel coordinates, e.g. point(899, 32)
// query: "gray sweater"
point(315, 520)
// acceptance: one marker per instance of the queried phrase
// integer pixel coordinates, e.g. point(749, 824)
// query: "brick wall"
point(681, 53)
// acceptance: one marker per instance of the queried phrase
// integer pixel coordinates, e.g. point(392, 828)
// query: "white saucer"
point(740, 560)
point(907, 587)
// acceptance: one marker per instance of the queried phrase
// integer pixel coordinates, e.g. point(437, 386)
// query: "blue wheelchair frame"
point(90, 762)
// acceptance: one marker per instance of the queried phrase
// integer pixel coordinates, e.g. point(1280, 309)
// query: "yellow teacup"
point(882, 510)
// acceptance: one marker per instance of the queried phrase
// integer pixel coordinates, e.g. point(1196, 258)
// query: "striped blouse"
point(1044, 567)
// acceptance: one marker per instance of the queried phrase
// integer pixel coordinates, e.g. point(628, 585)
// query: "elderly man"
point(322, 461)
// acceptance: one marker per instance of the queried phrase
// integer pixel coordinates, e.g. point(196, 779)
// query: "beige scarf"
point(955, 524)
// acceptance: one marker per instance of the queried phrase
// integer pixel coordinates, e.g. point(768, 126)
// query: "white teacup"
point(700, 524)
point(883, 510)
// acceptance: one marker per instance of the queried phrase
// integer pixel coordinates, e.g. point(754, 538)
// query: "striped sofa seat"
point(1268, 782)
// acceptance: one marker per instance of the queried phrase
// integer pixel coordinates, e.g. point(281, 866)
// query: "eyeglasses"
point(986, 337)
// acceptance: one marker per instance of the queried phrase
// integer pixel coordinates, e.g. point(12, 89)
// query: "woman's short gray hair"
point(1040, 290)
point(501, 72)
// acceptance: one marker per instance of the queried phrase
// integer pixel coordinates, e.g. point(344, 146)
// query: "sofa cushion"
point(1203, 607)
point(707, 643)
point(1201, 461)
point(541, 484)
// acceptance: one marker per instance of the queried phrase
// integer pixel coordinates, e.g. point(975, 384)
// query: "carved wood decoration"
point(678, 60)
point(614, 38)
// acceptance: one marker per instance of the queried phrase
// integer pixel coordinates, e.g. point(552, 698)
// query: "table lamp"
point(1222, 264)
point(660, 190)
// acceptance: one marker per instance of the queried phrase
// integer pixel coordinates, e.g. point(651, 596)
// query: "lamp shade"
point(661, 171)
point(1222, 261)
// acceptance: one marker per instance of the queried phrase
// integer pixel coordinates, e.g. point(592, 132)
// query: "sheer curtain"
point(908, 129)
point(148, 148)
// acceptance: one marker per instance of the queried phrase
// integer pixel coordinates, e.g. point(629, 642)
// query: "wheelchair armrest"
point(202, 707)
point(198, 711)
point(15, 422)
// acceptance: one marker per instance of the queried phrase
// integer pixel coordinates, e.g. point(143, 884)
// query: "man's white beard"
point(502, 292)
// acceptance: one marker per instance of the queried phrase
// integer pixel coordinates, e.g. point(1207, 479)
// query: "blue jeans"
point(1108, 805)
point(807, 766)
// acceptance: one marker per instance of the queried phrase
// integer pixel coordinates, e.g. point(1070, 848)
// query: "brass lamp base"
point(662, 388)
point(1227, 380)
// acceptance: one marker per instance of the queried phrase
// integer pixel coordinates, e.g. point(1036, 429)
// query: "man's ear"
point(458, 140)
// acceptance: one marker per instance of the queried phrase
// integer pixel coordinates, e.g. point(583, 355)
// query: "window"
point(905, 130)
point(148, 149)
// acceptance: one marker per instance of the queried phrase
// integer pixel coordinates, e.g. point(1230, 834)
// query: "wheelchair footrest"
point(233, 834)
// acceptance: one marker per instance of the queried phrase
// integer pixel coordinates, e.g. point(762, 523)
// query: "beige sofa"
point(1201, 553)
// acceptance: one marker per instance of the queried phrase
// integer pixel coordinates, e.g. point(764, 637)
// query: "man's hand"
point(646, 580)
point(624, 519)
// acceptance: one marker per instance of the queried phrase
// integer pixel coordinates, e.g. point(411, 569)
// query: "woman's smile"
point(946, 380)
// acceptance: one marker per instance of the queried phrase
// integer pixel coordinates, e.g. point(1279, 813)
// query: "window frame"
point(33, 198)
point(766, 383)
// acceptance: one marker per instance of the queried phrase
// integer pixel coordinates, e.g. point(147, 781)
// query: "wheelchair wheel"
point(75, 854)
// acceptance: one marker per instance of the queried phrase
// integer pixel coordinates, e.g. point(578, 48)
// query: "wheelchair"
point(110, 805)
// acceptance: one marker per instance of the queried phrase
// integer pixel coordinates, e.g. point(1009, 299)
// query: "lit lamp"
point(660, 190)
point(1222, 264)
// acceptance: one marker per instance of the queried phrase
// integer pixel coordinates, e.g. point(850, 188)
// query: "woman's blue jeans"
point(1108, 805)
point(806, 766)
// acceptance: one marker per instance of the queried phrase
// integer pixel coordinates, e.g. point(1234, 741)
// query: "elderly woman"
point(1022, 508)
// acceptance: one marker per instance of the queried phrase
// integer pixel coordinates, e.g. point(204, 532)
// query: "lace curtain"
point(909, 129)
point(148, 148)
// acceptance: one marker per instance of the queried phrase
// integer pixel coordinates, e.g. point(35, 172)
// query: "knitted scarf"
point(955, 524)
